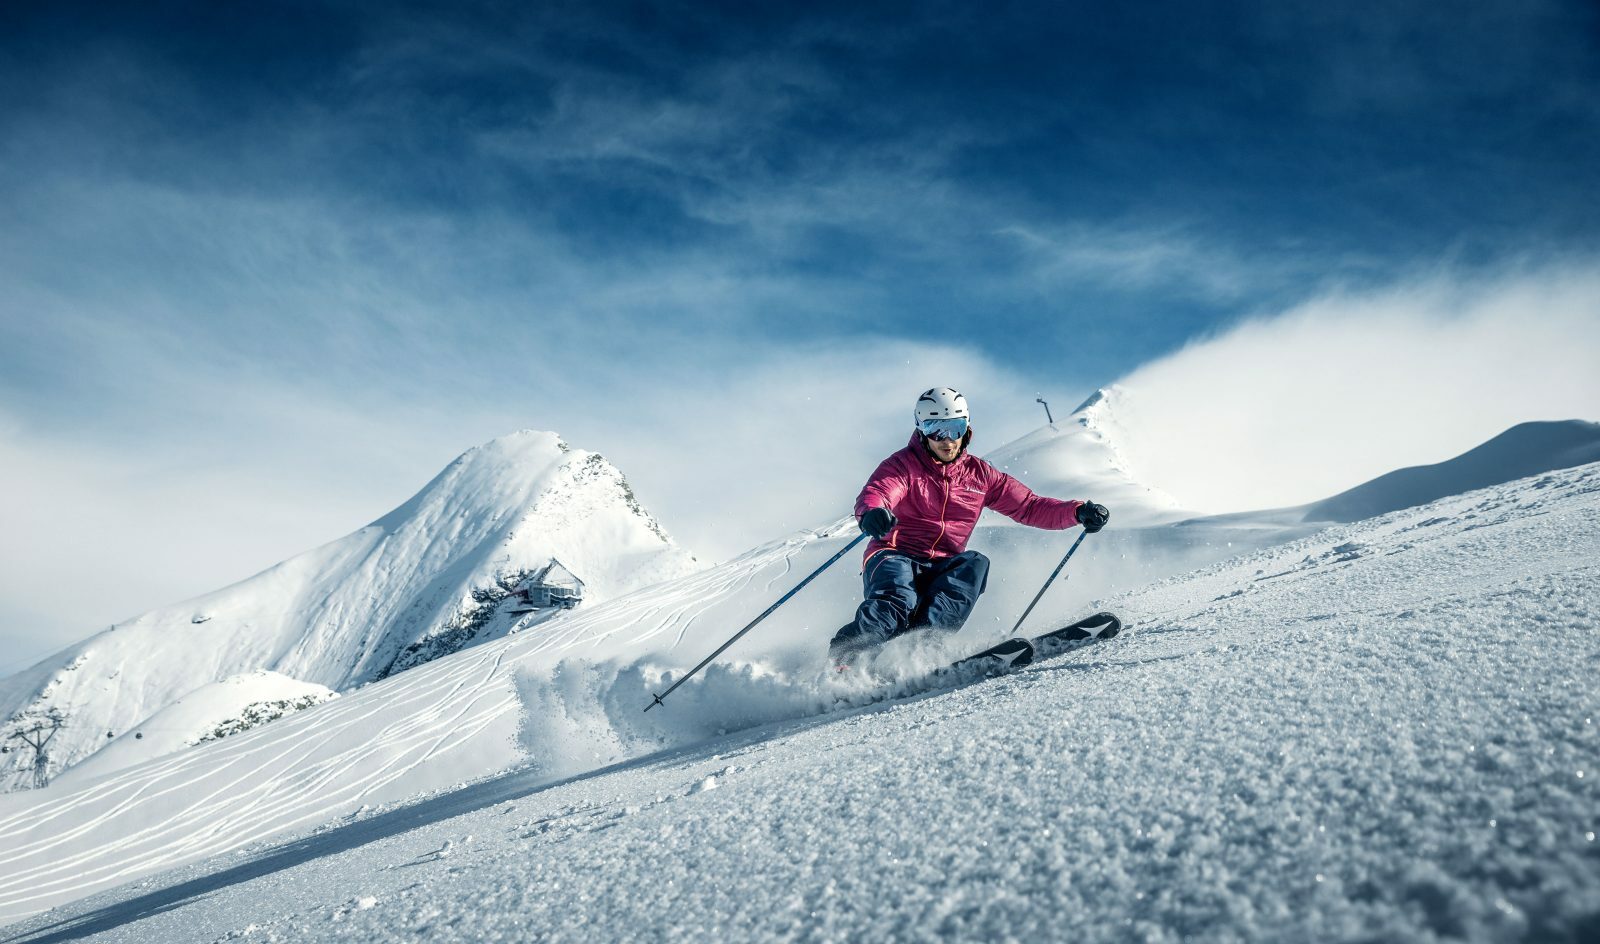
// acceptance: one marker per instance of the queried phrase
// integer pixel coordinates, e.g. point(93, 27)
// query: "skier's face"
point(945, 450)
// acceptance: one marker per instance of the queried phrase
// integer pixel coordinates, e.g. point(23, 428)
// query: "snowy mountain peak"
point(1080, 457)
point(483, 473)
point(454, 566)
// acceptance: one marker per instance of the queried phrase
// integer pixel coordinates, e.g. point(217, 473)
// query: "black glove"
point(1093, 517)
point(878, 522)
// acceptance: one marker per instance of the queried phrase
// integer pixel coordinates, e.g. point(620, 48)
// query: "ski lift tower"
point(37, 737)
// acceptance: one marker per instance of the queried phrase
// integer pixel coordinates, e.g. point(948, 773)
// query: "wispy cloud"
point(1168, 257)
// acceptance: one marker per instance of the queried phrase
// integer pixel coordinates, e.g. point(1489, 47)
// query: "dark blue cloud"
point(887, 155)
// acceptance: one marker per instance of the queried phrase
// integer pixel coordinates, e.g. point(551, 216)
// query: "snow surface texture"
point(340, 615)
point(1385, 731)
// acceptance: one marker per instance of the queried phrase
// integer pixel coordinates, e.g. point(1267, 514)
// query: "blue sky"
point(265, 268)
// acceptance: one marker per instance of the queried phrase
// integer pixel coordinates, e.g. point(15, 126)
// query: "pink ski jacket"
point(937, 505)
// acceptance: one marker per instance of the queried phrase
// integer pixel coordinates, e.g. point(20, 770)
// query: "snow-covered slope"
point(1079, 457)
point(564, 695)
point(1385, 731)
point(431, 576)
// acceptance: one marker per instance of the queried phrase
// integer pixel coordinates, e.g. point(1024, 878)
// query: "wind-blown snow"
point(340, 615)
point(1080, 457)
point(1384, 731)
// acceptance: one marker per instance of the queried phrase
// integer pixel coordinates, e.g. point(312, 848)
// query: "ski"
point(996, 660)
point(1017, 652)
point(1077, 635)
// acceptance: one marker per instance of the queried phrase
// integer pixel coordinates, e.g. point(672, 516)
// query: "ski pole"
point(768, 612)
point(1048, 582)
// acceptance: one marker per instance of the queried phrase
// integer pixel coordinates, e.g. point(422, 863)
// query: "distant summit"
point(438, 574)
point(1523, 450)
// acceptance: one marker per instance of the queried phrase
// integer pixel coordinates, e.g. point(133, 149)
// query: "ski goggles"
point(953, 427)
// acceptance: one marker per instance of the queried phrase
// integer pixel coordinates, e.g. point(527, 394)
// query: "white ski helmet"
point(938, 404)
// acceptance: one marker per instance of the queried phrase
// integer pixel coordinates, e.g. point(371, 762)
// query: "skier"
point(920, 507)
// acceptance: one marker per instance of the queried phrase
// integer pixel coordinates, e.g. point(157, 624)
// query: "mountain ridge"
point(1524, 449)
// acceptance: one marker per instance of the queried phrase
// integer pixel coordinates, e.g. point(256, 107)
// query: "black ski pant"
point(905, 593)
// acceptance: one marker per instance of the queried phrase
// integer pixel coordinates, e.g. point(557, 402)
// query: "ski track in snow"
point(464, 700)
point(1385, 731)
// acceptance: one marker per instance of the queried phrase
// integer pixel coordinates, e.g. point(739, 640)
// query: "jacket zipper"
point(942, 509)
